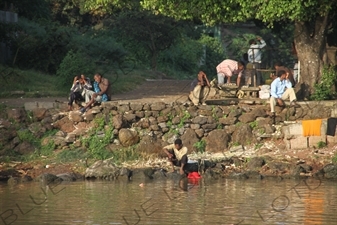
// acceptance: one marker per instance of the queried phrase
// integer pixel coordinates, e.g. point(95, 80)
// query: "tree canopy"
point(215, 11)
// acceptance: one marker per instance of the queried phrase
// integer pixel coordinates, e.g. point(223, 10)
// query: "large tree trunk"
point(310, 42)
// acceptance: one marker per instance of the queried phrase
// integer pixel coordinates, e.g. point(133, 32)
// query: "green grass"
point(30, 83)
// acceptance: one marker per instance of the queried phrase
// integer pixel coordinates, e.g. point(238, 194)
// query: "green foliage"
point(71, 155)
point(185, 117)
point(215, 54)
point(182, 56)
point(47, 149)
point(253, 124)
point(26, 135)
point(334, 158)
point(200, 146)
point(323, 89)
point(321, 144)
point(235, 144)
point(125, 154)
point(98, 139)
point(75, 63)
point(240, 10)
point(258, 145)
point(33, 83)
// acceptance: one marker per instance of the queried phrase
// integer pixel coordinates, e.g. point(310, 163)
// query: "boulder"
point(217, 141)
point(330, 171)
point(189, 139)
point(107, 170)
point(242, 135)
point(128, 137)
point(39, 113)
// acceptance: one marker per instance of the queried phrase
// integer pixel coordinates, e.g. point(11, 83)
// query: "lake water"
point(223, 201)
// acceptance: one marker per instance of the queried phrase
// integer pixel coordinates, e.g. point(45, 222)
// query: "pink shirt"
point(229, 67)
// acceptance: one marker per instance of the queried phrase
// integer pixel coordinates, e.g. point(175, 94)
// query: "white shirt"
point(254, 52)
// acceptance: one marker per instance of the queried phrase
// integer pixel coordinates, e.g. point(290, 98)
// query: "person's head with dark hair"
point(252, 42)
point(98, 77)
point(281, 74)
point(241, 65)
point(178, 143)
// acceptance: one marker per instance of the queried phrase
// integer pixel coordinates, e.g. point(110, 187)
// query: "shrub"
point(98, 139)
point(74, 63)
point(200, 146)
point(323, 87)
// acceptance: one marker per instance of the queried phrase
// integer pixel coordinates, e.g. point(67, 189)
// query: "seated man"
point(227, 68)
point(200, 88)
point(177, 155)
point(100, 94)
point(80, 84)
point(280, 90)
point(279, 66)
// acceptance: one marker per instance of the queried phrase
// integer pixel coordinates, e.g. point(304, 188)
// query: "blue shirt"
point(97, 89)
point(277, 87)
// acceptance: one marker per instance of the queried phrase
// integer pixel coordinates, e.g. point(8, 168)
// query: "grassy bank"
point(30, 83)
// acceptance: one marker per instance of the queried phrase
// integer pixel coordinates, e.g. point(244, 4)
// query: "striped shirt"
point(229, 67)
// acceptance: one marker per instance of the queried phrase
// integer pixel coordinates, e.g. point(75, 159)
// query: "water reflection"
point(181, 201)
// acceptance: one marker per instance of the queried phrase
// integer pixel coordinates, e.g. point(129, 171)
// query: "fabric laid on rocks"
point(311, 127)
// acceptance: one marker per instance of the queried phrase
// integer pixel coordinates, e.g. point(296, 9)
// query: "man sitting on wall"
point(280, 90)
point(200, 88)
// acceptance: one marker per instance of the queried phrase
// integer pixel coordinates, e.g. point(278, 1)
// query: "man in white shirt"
point(255, 55)
point(177, 155)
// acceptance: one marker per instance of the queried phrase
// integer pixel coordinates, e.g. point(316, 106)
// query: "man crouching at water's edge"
point(177, 155)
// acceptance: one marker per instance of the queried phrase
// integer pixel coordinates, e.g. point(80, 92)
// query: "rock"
point(16, 114)
point(247, 118)
point(104, 169)
point(69, 177)
point(189, 138)
point(123, 108)
point(47, 178)
point(128, 137)
point(228, 120)
point(158, 106)
point(330, 171)
point(130, 117)
point(255, 163)
point(151, 145)
point(118, 122)
point(24, 148)
point(200, 120)
point(136, 106)
point(39, 113)
point(75, 116)
point(217, 141)
point(279, 167)
point(64, 125)
point(37, 129)
point(243, 135)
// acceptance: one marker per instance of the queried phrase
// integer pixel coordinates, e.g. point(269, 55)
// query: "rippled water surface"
point(225, 201)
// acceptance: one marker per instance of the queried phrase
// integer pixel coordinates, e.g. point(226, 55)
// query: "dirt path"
point(162, 90)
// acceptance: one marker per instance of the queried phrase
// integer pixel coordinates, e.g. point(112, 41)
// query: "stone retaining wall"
point(152, 125)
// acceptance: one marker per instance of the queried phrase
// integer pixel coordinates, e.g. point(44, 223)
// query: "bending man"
point(177, 155)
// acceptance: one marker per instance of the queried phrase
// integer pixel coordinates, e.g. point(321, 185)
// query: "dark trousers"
point(177, 162)
point(258, 74)
point(75, 96)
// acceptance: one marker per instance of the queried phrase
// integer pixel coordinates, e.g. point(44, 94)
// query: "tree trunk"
point(310, 42)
